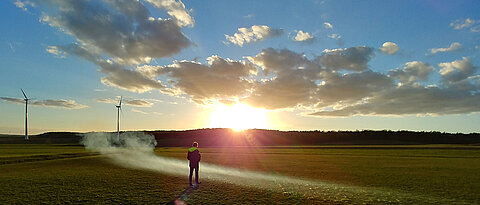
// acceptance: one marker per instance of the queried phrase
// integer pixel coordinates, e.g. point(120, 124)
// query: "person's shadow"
point(180, 199)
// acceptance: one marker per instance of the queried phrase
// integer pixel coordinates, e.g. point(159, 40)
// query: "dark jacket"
point(194, 156)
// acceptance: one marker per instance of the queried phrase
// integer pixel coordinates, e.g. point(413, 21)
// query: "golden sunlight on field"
point(238, 117)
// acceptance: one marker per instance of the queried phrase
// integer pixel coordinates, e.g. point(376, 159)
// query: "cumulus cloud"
point(117, 75)
point(253, 34)
point(389, 48)
point(410, 100)
point(123, 30)
point(350, 88)
point(337, 83)
point(354, 58)
point(293, 82)
point(412, 72)
point(456, 71)
point(458, 95)
point(459, 24)
point(327, 25)
point(453, 47)
point(118, 36)
point(176, 9)
point(219, 79)
point(67, 104)
point(303, 37)
point(289, 80)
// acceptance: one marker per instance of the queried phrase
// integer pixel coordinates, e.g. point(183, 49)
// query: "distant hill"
point(258, 137)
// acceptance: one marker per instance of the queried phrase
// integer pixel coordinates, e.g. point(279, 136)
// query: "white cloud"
point(327, 25)
point(303, 37)
point(293, 84)
point(117, 75)
point(221, 79)
point(349, 88)
point(123, 30)
point(389, 48)
point(23, 4)
point(459, 24)
point(335, 36)
point(176, 9)
point(290, 80)
point(456, 71)
point(67, 104)
point(453, 47)
point(458, 95)
point(412, 72)
point(253, 34)
point(55, 51)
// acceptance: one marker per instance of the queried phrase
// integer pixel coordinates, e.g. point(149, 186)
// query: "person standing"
point(194, 157)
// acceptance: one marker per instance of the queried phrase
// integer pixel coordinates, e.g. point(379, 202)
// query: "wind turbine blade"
point(120, 103)
point(24, 94)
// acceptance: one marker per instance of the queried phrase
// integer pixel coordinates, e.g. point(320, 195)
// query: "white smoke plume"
point(135, 150)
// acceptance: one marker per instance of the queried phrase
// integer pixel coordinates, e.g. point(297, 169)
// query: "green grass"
point(84, 177)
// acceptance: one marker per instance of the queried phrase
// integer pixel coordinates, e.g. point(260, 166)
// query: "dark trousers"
point(196, 174)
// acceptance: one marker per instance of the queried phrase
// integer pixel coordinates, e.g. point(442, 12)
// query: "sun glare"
point(238, 117)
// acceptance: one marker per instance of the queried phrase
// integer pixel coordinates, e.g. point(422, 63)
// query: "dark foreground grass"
point(450, 174)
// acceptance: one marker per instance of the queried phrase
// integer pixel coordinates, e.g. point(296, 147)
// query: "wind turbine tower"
point(26, 113)
point(119, 107)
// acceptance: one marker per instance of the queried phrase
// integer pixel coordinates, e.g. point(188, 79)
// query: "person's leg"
point(190, 176)
point(196, 174)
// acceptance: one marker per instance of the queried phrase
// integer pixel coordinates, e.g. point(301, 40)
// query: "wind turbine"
point(119, 107)
point(26, 114)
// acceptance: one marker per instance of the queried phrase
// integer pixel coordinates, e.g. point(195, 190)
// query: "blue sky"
point(306, 65)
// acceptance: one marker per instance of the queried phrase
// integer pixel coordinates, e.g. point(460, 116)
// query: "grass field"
point(397, 174)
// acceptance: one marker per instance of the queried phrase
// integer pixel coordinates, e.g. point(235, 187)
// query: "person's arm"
point(199, 156)
point(188, 155)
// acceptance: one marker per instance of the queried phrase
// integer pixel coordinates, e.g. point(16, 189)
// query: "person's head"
point(195, 144)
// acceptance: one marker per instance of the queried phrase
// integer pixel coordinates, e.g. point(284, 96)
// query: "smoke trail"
point(135, 150)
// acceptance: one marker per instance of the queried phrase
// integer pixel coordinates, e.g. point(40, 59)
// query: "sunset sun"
point(238, 117)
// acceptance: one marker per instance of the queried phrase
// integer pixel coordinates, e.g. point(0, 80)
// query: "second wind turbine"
point(119, 107)
point(26, 99)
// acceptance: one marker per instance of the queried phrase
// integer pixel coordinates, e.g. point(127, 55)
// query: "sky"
point(283, 65)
